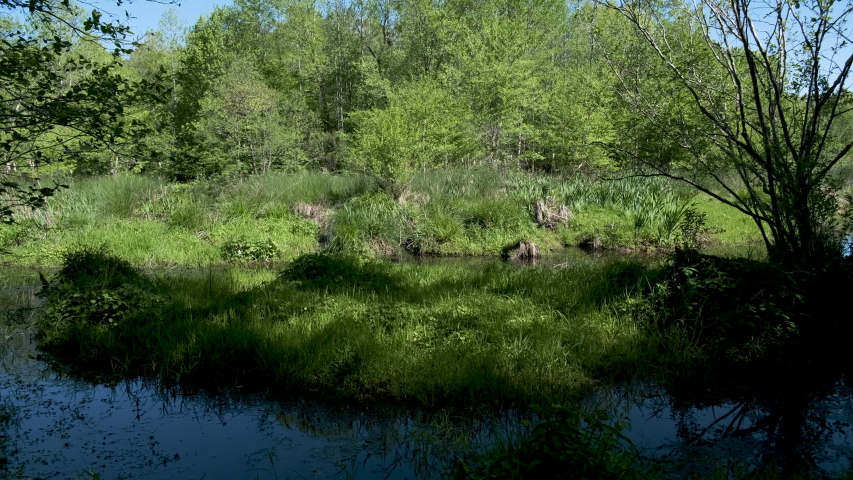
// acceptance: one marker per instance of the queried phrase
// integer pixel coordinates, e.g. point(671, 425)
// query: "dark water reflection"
point(809, 430)
point(55, 427)
point(128, 432)
point(59, 427)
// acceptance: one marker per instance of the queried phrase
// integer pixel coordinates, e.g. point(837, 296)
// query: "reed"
point(447, 212)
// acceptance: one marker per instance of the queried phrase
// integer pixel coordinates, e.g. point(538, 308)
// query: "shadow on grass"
point(352, 327)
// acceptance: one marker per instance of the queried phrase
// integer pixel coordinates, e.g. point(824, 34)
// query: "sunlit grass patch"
point(733, 227)
point(141, 242)
point(277, 217)
point(361, 328)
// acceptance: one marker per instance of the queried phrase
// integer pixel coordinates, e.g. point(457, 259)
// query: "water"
point(62, 427)
point(57, 427)
point(814, 428)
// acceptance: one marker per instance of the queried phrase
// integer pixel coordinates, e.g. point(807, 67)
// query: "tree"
point(162, 51)
point(423, 127)
point(502, 63)
point(241, 121)
point(57, 98)
point(763, 84)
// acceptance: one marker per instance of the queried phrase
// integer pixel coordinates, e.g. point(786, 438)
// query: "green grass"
point(151, 222)
point(357, 328)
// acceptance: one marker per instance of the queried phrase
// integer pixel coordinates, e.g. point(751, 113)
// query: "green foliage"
point(470, 225)
point(338, 272)
point(306, 187)
point(422, 127)
point(569, 444)
point(478, 182)
point(95, 288)
point(737, 309)
point(242, 249)
point(15, 197)
point(64, 97)
point(240, 124)
point(682, 93)
point(370, 224)
point(96, 266)
point(693, 229)
point(150, 221)
point(15, 235)
point(123, 197)
point(365, 329)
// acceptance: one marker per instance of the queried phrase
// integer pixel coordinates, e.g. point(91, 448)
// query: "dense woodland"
point(755, 117)
point(379, 86)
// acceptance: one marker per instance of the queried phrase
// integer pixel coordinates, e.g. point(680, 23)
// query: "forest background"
point(390, 88)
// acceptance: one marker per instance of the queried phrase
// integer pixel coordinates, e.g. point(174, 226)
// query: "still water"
point(53, 426)
point(58, 427)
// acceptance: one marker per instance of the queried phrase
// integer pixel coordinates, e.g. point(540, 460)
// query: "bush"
point(735, 308)
point(337, 271)
point(96, 266)
point(95, 288)
point(243, 249)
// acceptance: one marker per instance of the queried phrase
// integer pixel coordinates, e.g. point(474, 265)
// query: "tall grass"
point(358, 328)
point(448, 212)
point(99, 199)
point(369, 223)
point(638, 210)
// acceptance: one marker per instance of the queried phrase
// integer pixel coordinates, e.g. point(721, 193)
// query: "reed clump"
point(153, 222)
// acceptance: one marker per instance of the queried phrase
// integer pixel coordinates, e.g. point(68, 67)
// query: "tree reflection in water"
point(807, 429)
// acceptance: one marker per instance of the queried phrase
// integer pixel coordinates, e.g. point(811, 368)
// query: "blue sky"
point(147, 14)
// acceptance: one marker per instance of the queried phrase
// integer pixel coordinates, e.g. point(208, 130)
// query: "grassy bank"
point(439, 334)
point(357, 328)
point(150, 222)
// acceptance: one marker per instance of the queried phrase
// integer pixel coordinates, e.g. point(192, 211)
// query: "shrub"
point(735, 308)
point(95, 266)
point(337, 271)
point(243, 249)
point(95, 288)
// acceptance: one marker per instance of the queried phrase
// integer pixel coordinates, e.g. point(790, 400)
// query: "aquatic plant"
point(569, 444)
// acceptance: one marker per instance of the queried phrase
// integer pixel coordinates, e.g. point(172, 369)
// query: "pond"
point(810, 428)
point(54, 426)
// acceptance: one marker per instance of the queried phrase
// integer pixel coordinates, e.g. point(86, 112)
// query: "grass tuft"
point(354, 327)
point(151, 222)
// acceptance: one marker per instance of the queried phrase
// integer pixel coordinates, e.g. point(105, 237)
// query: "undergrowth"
point(278, 217)
point(354, 327)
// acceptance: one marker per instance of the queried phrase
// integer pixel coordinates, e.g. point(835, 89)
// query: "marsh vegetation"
point(278, 217)
point(263, 205)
